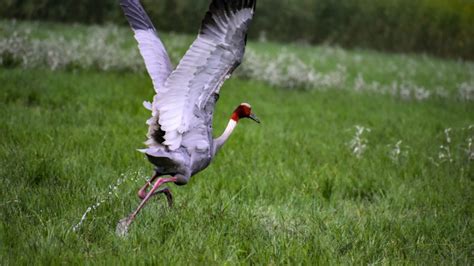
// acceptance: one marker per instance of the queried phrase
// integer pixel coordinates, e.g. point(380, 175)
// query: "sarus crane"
point(180, 141)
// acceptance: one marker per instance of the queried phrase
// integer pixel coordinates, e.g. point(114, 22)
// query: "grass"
point(287, 191)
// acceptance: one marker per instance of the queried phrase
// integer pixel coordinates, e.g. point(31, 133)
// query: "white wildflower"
point(396, 152)
point(405, 92)
point(107, 48)
point(444, 154)
point(358, 144)
point(421, 93)
point(466, 91)
point(470, 149)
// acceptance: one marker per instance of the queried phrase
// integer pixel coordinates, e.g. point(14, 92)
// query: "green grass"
point(286, 191)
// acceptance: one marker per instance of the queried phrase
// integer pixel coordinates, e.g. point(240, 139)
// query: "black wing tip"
point(128, 3)
point(136, 15)
point(217, 7)
point(231, 5)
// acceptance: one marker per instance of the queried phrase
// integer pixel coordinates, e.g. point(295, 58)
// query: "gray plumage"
point(180, 141)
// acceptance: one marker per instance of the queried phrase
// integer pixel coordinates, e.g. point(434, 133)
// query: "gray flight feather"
point(180, 133)
point(211, 59)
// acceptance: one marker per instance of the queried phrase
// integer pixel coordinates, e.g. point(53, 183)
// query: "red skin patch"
point(241, 111)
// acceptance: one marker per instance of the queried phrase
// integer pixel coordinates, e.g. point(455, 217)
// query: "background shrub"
point(438, 27)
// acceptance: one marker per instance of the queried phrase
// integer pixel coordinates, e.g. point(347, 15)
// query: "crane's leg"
point(168, 195)
point(122, 226)
point(143, 191)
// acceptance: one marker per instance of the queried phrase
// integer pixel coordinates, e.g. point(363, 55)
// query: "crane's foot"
point(122, 227)
point(124, 224)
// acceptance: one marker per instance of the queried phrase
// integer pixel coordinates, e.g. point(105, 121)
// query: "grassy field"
point(302, 187)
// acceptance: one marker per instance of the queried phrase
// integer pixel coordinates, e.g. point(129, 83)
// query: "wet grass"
point(286, 191)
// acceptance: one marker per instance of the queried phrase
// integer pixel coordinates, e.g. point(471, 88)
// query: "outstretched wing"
point(213, 56)
point(156, 58)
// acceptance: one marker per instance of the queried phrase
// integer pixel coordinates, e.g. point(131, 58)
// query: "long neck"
point(219, 142)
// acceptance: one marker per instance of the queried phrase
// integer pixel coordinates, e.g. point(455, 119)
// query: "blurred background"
point(438, 27)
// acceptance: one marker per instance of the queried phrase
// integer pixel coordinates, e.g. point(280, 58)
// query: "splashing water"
point(108, 196)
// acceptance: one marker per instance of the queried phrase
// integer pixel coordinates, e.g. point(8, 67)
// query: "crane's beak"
point(254, 118)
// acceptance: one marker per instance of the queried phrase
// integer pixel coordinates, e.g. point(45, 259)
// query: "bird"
point(180, 140)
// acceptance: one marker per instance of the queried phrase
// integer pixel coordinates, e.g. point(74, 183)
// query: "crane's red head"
point(244, 110)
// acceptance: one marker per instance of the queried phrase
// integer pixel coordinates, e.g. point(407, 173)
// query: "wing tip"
point(221, 7)
point(232, 4)
point(136, 15)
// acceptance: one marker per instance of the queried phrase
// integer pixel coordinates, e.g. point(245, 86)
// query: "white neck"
point(219, 142)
